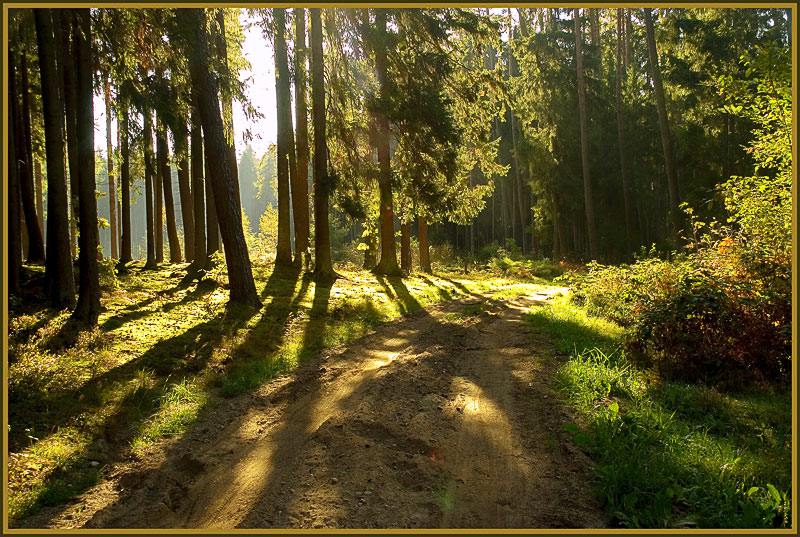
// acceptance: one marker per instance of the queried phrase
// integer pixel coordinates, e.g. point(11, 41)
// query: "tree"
point(36, 253)
point(227, 100)
point(388, 260)
point(300, 185)
point(323, 267)
point(166, 180)
point(180, 137)
point(283, 256)
point(240, 275)
point(59, 284)
point(112, 187)
point(125, 189)
point(623, 157)
point(587, 179)
point(14, 232)
point(150, 216)
point(198, 190)
point(88, 307)
point(663, 123)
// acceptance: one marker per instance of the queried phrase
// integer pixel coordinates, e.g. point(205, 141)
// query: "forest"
point(445, 268)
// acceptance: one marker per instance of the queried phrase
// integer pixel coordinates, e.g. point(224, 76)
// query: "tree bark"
point(112, 187)
point(587, 179)
point(405, 247)
point(158, 201)
point(184, 190)
point(198, 191)
point(35, 237)
point(150, 216)
point(388, 262)
point(323, 266)
point(125, 187)
point(227, 106)
point(518, 180)
point(169, 202)
point(424, 251)
point(212, 222)
point(300, 187)
point(240, 275)
point(13, 204)
point(623, 155)
point(37, 181)
point(663, 123)
point(66, 59)
point(283, 255)
point(88, 307)
point(59, 285)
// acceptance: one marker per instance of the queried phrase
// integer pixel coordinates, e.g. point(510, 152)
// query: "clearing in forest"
point(445, 417)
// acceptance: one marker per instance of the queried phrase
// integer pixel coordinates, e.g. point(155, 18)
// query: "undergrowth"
point(670, 454)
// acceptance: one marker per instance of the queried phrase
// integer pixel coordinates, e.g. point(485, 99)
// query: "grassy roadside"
point(668, 454)
point(164, 354)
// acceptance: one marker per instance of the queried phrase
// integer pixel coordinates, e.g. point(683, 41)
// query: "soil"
point(444, 418)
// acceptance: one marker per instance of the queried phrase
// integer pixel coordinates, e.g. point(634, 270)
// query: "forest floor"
point(444, 416)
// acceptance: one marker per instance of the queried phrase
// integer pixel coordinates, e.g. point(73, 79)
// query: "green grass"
point(670, 454)
point(163, 354)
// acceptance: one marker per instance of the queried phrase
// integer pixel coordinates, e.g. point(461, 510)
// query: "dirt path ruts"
point(443, 418)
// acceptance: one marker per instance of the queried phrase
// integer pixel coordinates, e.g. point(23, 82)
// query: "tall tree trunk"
point(405, 246)
point(198, 190)
point(169, 203)
point(60, 287)
point(623, 156)
point(594, 26)
point(184, 190)
point(35, 229)
point(628, 39)
point(283, 256)
point(227, 106)
point(240, 275)
point(518, 180)
point(149, 179)
point(158, 199)
point(37, 182)
point(388, 261)
point(125, 184)
point(587, 180)
point(13, 204)
point(88, 308)
point(666, 138)
point(424, 251)
point(66, 60)
point(112, 187)
point(300, 187)
point(323, 267)
point(212, 222)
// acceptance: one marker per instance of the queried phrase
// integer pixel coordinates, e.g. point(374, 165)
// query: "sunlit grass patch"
point(669, 454)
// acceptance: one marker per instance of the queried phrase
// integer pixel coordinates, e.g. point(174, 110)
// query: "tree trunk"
point(88, 308)
point(59, 285)
point(35, 237)
point(623, 156)
point(198, 191)
point(112, 187)
point(300, 187)
point(151, 262)
point(158, 200)
point(628, 40)
point(125, 184)
point(227, 106)
point(169, 202)
point(663, 123)
point(212, 222)
point(587, 180)
point(424, 252)
point(240, 275)
point(323, 267)
point(388, 262)
point(283, 255)
point(518, 180)
point(184, 190)
point(37, 181)
point(405, 247)
point(13, 203)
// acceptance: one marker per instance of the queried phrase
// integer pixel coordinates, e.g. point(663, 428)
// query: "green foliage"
point(668, 454)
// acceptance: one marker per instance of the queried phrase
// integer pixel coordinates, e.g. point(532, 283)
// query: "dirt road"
point(445, 418)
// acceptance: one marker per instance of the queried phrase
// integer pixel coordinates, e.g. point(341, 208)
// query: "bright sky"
point(260, 90)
